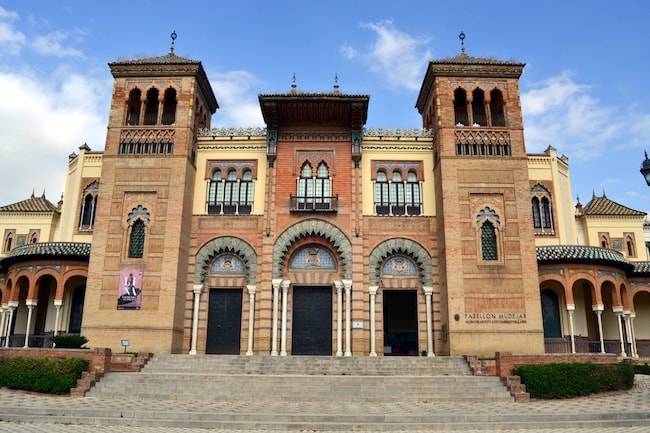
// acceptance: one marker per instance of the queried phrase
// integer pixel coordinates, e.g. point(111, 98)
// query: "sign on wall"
point(130, 289)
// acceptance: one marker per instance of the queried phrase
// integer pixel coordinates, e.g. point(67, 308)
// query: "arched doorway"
point(551, 314)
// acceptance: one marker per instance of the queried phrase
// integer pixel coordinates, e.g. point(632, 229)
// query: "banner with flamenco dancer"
point(130, 289)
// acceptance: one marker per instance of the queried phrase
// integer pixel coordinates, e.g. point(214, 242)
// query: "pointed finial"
point(293, 83)
point(578, 199)
point(336, 83)
point(604, 195)
point(461, 36)
point(173, 36)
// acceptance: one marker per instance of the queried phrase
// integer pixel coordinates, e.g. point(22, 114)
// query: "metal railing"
point(313, 203)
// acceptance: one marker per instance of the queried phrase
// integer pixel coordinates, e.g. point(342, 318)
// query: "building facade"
point(315, 235)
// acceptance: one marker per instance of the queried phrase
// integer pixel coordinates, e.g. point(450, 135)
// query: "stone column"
point(57, 305)
point(251, 318)
point(274, 324)
point(618, 310)
point(570, 308)
point(428, 292)
point(598, 309)
point(283, 340)
point(12, 308)
point(3, 319)
point(373, 339)
point(31, 303)
point(197, 289)
point(628, 332)
point(339, 317)
point(347, 284)
point(633, 332)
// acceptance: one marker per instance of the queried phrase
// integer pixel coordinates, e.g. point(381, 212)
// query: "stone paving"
point(637, 400)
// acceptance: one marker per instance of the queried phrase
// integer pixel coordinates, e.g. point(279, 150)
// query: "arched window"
point(399, 266)
point(542, 210)
point(311, 258)
point(488, 241)
point(33, 237)
point(497, 109)
point(246, 193)
point(215, 193)
point(461, 117)
point(169, 107)
point(478, 108)
point(151, 107)
point(630, 246)
point(136, 240)
point(413, 199)
point(551, 314)
point(537, 219)
point(231, 193)
point(133, 107)
point(397, 194)
point(9, 240)
point(605, 241)
point(305, 187)
point(381, 194)
point(323, 187)
point(546, 213)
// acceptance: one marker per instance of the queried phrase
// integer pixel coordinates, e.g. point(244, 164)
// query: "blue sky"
point(584, 89)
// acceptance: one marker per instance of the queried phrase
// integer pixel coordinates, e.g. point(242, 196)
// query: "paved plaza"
point(591, 413)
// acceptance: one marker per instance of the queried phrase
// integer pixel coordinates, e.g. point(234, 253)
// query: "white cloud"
point(239, 106)
point(396, 56)
point(11, 40)
point(52, 45)
point(348, 51)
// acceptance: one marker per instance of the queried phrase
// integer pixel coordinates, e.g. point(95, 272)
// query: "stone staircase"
point(310, 393)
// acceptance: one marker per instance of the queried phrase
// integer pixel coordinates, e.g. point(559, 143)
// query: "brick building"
point(318, 236)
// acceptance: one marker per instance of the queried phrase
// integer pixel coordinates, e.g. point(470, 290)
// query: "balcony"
point(313, 204)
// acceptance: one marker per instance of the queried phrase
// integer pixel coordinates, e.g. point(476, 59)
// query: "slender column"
point(634, 348)
point(347, 284)
point(12, 308)
point(274, 325)
point(339, 317)
point(57, 305)
point(283, 338)
point(373, 324)
point(628, 331)
point(598, 309)
point(618, 310)
point(31, 303)
point(3, 319)
point(570, 308)
point(197, 289)
point(251, 318)
point(428, 292)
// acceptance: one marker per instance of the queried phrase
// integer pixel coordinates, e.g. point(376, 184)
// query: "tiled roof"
point(582, 254)
point(470, 60)
point(604, 206)
point(47, 251)
point(168, 59)
point(32, 204)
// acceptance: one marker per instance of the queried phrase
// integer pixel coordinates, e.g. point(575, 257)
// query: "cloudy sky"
point(584, 89)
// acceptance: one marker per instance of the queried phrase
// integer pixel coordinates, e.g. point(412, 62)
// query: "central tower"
point(488, 266)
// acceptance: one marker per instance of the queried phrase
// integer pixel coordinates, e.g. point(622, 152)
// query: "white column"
point(4, 308)
point(628, 331)
point(598, 309)
point(12, 308)
point(428, 292)
point(339, 317)
point(274, 325)
point(31, 303)
point(197, 289)
point(373, 325)
point(251, 318)
point(347, 284)
point(283, 338)
point(634, 348)
point(570, 308)
point(618, 310)
point(57, 306)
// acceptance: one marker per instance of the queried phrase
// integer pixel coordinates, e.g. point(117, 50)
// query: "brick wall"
point(506, 361)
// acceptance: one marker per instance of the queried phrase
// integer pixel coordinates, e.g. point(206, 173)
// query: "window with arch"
point(630, 245)
point(497, 108)
point(231, 188)
point(479, 116)
point(488, 224)
point(133, 107)
point(169, 107)
point(33, 236)
point(312, 257)
point(137, 231)
point(605, 241)
point(396, 194)
point(314, 189)
point(399, 266)
point(479, 111)
point(151, 107)
point(228, 264)
point(88, 207)
point(461, 114)
point(8, 243)
point(542, 211)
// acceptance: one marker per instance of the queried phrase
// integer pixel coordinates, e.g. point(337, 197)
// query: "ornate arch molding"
point(400, 246)
point(315, 227)
point(221, 245)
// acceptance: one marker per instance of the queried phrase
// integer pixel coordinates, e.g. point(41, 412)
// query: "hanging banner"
point(129, 289)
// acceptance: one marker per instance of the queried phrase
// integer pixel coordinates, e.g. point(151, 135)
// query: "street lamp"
point(645, 168)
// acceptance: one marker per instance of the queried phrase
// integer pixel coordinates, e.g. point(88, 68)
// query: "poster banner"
point(129, 289)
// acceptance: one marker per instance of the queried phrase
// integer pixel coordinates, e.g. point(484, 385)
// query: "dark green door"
point(224, 321)
point(312, 321)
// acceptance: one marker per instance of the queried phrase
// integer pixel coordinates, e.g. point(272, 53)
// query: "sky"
point(584, 89)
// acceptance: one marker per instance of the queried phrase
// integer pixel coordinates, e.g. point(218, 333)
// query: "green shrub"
point(563, 380)
point(53, 376)
point(642, 369)
point(69, 341)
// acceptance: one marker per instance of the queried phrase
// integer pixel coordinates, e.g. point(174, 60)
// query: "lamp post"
point(645, 168)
